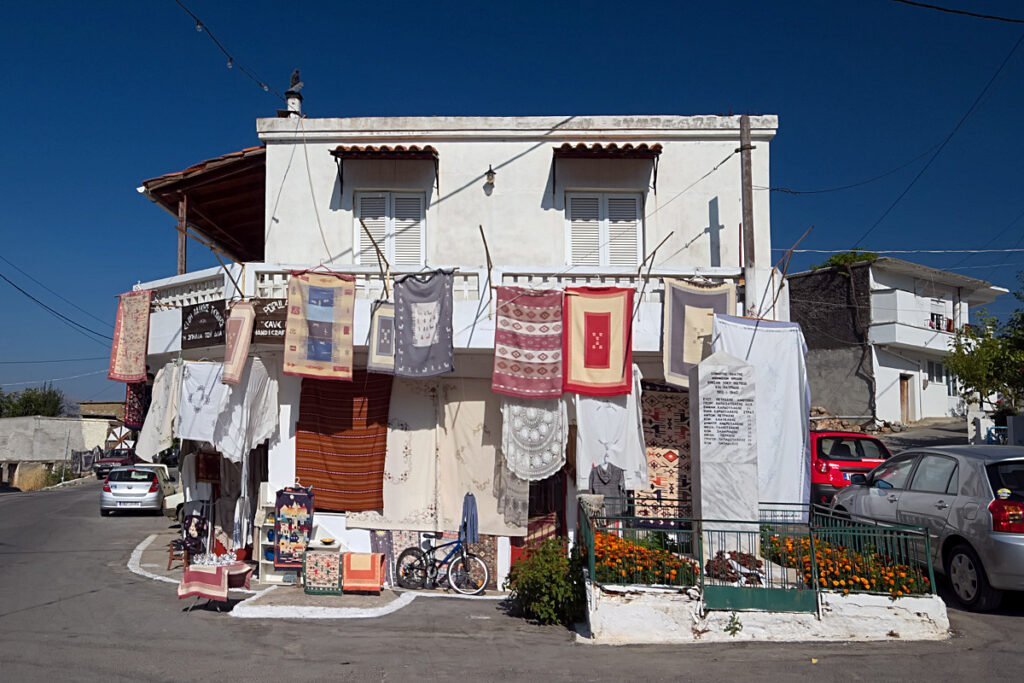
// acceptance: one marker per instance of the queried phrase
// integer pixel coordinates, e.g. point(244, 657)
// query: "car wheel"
point(970, 585)
point(180, 514)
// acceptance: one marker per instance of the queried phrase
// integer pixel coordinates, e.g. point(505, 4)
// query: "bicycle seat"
point(432, 534)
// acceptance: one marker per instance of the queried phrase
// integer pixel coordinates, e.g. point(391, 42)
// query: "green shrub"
point(547, 585)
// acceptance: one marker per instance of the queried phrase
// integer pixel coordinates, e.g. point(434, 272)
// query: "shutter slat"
point(623, 229)
point(409, 239)
point(372, 209)
point(585, 230)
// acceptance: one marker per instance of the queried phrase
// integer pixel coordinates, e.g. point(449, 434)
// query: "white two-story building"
point(560, 200)
point(877, 334)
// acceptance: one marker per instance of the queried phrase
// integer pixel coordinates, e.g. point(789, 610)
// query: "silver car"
point(131, 488)
point(971, 501)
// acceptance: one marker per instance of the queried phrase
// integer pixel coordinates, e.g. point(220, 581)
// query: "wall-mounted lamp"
point(490, 175)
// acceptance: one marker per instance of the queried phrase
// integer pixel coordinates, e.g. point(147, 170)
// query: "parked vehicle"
point(837, 456)
point(174, 506)
point(970, 499)
point(163, 473)
point(131, 488)
point(111, 459)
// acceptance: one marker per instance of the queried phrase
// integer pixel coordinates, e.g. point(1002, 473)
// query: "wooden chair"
point(176, 551)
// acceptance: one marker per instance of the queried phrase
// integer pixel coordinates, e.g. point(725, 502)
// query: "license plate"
point(846, 475)
point(128, 504)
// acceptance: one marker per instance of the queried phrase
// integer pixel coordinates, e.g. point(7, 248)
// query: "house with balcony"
point(529, 201)
point(877, 332)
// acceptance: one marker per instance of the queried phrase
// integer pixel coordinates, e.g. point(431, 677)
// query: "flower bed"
point(845, 570)
point(620, 560)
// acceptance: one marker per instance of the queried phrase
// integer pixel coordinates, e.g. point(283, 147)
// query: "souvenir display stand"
point(321, 569)
point(268, 575)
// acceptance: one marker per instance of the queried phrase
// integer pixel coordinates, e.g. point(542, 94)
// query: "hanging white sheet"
point(609, 429)
point(157, 433)
point(783, 401)
point(248, 413)
point(202, 394)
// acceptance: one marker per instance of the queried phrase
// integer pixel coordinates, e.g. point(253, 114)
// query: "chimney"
point(293, 98)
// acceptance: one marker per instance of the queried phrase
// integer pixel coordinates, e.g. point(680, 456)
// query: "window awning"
point(341, 153)
point(226, 200)
point(610, 150)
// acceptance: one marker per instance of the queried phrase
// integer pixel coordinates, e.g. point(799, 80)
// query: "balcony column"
point(182, 236)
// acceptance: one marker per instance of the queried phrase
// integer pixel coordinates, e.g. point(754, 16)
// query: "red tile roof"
point(609, 150)
point(414, 152)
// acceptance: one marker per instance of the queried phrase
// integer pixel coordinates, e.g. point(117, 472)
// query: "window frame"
point(388, 248)
point(604, 225)
point(917, 470)
point(913, 458)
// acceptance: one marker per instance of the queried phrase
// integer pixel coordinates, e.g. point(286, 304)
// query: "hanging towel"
point(202, 395)
point(381, 345)
point(318, 335)
point(157, 433)
point(609, 430)
point(688, 314)
point(469, 519)
point(423, 322)
point(598, 340)
point(238, 337)
point(131, 337)
point(528, 343)
point(248, 413)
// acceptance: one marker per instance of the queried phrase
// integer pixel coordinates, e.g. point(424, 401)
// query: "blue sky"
point(101, 95)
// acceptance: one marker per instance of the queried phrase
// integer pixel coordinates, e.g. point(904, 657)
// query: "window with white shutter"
point(397, 222)
point(603, 229)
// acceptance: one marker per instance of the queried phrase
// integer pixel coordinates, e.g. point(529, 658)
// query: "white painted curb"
point(244, 611)
point(134, 561)
point(450, 596)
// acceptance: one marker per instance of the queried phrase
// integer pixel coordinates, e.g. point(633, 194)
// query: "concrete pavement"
point(69, 609)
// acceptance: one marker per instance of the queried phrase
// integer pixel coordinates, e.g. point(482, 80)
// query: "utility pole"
point(182, 232)
point(751, 285)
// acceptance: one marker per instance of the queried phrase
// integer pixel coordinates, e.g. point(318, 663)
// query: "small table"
point(213, 581)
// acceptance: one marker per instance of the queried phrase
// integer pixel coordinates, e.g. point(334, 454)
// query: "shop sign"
point(271, 316)
point(202, 325)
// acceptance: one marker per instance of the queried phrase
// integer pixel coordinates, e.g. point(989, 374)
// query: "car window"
point(836, 448)
point(132, 475)
point(872, 450)
point(893, 474)
point(1007, 475)
point(954, 483)
point(933, 474)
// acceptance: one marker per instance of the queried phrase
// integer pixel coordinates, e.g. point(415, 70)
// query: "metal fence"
point(792, 552)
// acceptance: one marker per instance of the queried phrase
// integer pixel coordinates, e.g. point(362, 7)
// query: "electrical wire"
point(961, 12)
point(907, 251)
point(50, 381)
point(55, 360)
point(56, 294)
point(991, 241)
point(78, 327)
point(942, 146)
point(840, 188)
point(203, 27)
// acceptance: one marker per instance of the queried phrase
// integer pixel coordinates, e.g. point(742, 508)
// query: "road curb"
point(135, 562)
point(244, 611)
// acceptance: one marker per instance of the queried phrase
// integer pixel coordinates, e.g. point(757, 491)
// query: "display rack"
point(268, 575)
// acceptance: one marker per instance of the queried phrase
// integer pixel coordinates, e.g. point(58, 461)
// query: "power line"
point(69, 303)
point(49, 381)
point(78, 327)
point(942, 146)
point(994, 238)
point(961, 12)
point(906, 251)
point(202, 27)
point(787, 190)
point(54, 360)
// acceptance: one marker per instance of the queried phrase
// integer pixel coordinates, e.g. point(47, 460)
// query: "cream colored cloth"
point(157, 433)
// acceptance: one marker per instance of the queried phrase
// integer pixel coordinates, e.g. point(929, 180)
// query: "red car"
point(836, 456)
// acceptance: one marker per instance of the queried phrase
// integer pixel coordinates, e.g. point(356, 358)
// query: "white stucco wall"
point(47, 439)
point(927, 399)
point(524, 222)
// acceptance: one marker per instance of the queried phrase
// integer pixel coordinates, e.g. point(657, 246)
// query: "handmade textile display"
point(423, 325)
point(782, 401)
point(609, 431)
point(362, 572)
point(321, 573)
point(512, 494)
point(533, 436)
point(528, 343)
point(131, 337)
point(598, 340)
point(410, 467)
point(293, 524)
point(607, 480)
point(341, 441)
point(202, 394)
point(686, 336)
point(213, 581)
point(157, 433)
point(238, 337)
point(318, 334)
point(248, 413)
point(666, 417)
point(136, 404)
point(380, 347)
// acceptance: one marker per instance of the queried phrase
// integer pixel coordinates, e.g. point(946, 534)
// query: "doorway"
point(905, 398)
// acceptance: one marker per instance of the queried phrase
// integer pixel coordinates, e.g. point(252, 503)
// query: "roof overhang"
point(226, 200)
point(610, 150)
point(343, 153)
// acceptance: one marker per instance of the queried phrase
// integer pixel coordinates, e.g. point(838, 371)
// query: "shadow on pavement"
point(1012, 605)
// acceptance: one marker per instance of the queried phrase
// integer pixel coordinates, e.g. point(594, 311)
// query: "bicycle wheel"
point(468, 575)
point(411, 568)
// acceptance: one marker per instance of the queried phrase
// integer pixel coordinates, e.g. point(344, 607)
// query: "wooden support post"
point(747, 192)
point(182, 233)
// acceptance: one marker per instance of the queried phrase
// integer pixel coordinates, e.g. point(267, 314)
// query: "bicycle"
point(467, 573)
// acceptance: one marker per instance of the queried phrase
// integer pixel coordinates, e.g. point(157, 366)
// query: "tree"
point(847, 258)
point(45, 401)
point(988, 360)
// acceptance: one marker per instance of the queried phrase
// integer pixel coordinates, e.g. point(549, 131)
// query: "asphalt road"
point(70, 610)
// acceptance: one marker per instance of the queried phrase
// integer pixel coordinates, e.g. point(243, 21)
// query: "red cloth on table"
point(213, 582)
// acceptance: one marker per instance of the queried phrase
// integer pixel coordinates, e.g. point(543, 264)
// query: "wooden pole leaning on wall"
point(640, 269)
point(490, 268)
point(182, 230)
point(382, 262)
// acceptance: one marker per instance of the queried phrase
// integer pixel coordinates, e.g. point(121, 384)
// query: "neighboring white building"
point(877, 336)
point(569, 200)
